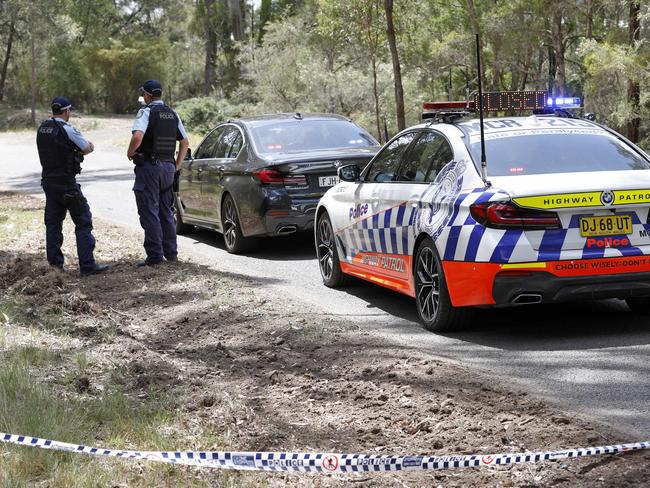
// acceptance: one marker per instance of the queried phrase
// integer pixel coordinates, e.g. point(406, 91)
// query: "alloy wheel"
point(428, 284)
point(230, 224)
point(325, 248)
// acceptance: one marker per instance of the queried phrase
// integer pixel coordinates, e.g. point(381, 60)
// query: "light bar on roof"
point(512, 101)
point(563, 102)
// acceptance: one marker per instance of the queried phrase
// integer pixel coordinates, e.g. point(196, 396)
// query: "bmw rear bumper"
point(476, 284)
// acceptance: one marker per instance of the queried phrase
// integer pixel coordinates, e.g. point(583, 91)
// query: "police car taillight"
point(502, 215)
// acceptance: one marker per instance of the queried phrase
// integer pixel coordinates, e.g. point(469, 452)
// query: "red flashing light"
point(507, 215)
point(456, 105)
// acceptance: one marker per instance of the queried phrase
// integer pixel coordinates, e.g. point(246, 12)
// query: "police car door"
point(193, 174)
point(218, 172)
point(373, 244)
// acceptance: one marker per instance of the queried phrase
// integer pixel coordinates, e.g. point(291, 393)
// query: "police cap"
point(152, 87)
point(59, 104)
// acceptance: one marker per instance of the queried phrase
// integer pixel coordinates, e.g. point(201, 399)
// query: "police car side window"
point(444, 155)
point(419, 161)
point(385, 165)
point(207, 146)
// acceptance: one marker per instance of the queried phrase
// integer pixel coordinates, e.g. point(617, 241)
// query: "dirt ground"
point(262, 373)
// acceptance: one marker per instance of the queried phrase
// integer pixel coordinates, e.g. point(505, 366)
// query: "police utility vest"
point(60, 157)
point(159, 141)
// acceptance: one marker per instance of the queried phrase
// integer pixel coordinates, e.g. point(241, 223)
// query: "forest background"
point(374, 61)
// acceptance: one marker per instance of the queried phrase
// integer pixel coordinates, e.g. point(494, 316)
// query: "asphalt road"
point(591, 359)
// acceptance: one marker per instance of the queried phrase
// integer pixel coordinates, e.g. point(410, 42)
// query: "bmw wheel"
point(181, 227)
point(232, 236)
point(328, 258)
point(431, 295)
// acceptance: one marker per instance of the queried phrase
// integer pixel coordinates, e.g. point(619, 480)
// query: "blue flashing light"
point(563, 102)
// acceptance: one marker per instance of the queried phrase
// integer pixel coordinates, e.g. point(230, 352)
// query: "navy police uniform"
point(154, 175)
point(59, 150)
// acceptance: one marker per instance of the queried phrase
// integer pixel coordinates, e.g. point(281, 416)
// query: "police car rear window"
point(510, 154)
point(305, 135)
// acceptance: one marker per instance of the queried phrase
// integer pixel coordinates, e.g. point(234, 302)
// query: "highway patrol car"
point(561, 213)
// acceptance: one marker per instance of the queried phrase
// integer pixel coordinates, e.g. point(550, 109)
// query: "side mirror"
point(188, 155)
point(349, 172)
point(590, 116)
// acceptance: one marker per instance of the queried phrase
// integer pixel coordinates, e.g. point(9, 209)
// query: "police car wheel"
point(639, 305)
point(232, 236)
point(328, 258)
point(181, 227)
point(431, 295)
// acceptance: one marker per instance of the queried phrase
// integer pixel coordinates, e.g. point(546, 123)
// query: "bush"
point(201, 114)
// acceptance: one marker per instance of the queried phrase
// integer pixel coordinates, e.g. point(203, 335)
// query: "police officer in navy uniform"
point(153, 144)
point(61, 149)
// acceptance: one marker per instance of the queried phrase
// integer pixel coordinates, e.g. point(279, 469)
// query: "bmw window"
point(206, 149)
point(516, 153)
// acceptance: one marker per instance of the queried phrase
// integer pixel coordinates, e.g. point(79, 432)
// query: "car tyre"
point(436, 312)
point(639, 305)
point(233, 238)
point(327, 253)
point(181, 227)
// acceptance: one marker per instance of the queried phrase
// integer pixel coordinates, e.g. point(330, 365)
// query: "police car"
point(560, 212)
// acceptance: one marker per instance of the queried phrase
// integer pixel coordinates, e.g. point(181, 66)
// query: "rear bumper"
point(281, 214)
point(501, 284)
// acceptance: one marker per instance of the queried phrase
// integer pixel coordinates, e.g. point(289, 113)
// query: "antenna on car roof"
point(480, 115)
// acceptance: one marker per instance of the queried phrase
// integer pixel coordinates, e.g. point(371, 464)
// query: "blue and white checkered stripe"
point(323, 462)
point(388, 232)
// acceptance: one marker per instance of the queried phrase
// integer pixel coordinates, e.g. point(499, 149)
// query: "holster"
point(175, 185)
point(74, 200)
point(138, 159)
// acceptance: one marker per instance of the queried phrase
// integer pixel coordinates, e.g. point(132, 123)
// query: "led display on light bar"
point(512, 100)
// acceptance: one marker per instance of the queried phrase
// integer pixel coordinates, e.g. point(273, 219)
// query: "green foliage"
point(124, 65)
point(201, 114)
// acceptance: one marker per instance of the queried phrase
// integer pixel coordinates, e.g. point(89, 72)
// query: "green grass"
point(29, 407)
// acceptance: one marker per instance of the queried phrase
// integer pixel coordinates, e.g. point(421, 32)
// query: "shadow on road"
point(296, 247)
point(31, 183)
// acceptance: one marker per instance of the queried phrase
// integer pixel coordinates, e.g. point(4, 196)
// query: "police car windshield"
point(516, 153)
point(279, 136)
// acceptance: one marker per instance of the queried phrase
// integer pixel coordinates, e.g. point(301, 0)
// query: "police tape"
point(324, 462)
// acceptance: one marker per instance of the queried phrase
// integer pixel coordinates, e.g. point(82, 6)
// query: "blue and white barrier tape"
point(324, 462)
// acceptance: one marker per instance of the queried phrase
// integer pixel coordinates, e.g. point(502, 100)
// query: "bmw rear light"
point(506, 215)
point(268, 176)
point(274, 177)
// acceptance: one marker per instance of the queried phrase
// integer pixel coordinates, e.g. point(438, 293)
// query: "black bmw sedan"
point(263, 176)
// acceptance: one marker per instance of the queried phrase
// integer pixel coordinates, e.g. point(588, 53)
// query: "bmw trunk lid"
point(602, 214)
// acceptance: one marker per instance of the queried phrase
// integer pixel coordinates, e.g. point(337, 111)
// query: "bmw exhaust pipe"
point(287, 229)
point(527, 299)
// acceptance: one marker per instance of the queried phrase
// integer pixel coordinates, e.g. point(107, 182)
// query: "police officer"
point(61, 149)
point(153, 144)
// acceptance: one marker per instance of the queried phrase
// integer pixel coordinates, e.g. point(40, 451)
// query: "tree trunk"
point(590, 19)
point(237, 19)
point(397, 70)
point(476, 29)
point(633, 88)
point(5, 64)
point(33, 62)
point(375, 92)
point(557, 41)
point(210, 47)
